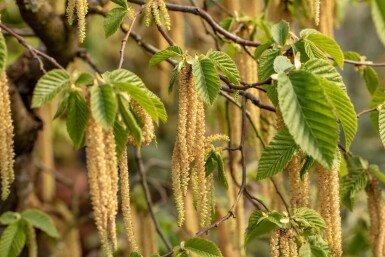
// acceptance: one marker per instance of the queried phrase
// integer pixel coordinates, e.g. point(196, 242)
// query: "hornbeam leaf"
point(48, 86)
point(277, 155)
point(103, 105)
point(165, 54)
point(3, 52)
point(113, 20)
point(343, 108)
point(378, 15)
point(202, 247)
point(329, 46)
point(76, 118)
point(224, 62)
point(206, 79)
point(381, 124)
point(308, 115)
point(325, 70)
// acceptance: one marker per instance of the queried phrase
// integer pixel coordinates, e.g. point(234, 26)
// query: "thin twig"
point(35, 52)
point(374, 109)
point(147, 193)
point(166, 36)
point(280, 194)
point(85, 55)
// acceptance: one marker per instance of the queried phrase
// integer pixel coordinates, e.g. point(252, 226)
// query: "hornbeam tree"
point(213, 128)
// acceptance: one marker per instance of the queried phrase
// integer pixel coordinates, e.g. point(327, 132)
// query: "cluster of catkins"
point(102, 165)
point(6, 138)
point(80, 9)
point(158, 10)
point(282, 244)
point(189, 150)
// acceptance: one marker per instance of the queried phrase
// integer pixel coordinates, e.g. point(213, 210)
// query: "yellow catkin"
point(326, 17)
point(71, 11)
point(329, 203)
point(164, 12)
point(97, 179)
point(80, 7)
point(148, 130)
point(176, 184)
point(292, 244)
point(158, 11)
point(211, 198)
point(126, 206)
point(112, 171)
point(31, 240)
point(299, 190)
point(191, 114)
point(284, 244)
point(6, 138)
point(315, 7)
point(377, 217)
point(274, 243)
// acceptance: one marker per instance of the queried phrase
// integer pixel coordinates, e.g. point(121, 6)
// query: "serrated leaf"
point(371, 79)
point(40, 220)
point(306, 32)
point(350, 185)
point(344, 110)
point(224, 62)
point(48, 86)
point(84, 79)
point(169, 52)
point(378, 98)
point(119, 77)
point(12, 240)
point(381, 124)
point(113, 20)
point(309, 161)
point(103, 105)
point(130, 121)
point(272, 93)
point(277, 155)
point(308, 115)
point(329, 46)
point(3, 53)
point(135, 254)
point(260, 49)
point(258, 226)
point(305, 251)
point(202, 247)
point(280, 32)
point(77, 118)
point(8, 217)
point(282, 63)
point(266, 64)
point(174, 76)
point(206, 79)
point(221, 170)
point(376, 171)
point(354, 56)
point(312, 51)
point(313, 219)
point(122, 3)
point(121, 136)
point(378, 15)
point(324, 69)
point(61, 108)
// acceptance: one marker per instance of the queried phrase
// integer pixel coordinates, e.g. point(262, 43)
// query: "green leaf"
point(174, 76)
point(309, 161)
point(308, 218)
point(123, 77)
point(76, 118)
point(378, 98)
point(329, 46)
point(376, 171)
point(214, 160)
point(48, 86)
point(272, 93)
point(40, 220)
point(266, 63)
point(305, 251)
point(169, 52)
point(282, 63)
point(121, 136)
point(381, 124)
point(299, 48)
point(206, 79)
point(306, 32)
point(280, 32)
point(324, 69)
point(343, 108)
point(113, 20)
point(202, 247)
point(103, 105)
point(371, 79)
point(260, 225)
point(130, 121)
point(260, 49)
point(378, 15)
point(224, 62)
point(312, 51)
point(350, 185)
point(277, 155)
point(135, 254)
point(3, 53)
point(308, 115)
point(354, 56)
point(9, 217)
point(12, 240)
point(122, 3)
point(84, 79)
point(61, 108)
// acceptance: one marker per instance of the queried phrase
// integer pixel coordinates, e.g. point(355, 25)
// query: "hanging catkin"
point(315, 8)
point(299, 190)
point(274, 243)
point(31, 240)
point(81, 9)
point(126, 206)
point(328, 198)
point(147, 125)
point(6, 138)
point(377, 217)
point(326, 17)
point(158, 11)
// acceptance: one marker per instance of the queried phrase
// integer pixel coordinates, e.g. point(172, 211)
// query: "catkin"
point(126, 207)
point(81, 9)
point(377, 217)
point(299, 190)
point(157, 9)
point(315, 7)
point(6, 138)
point(274, 243)
point(147, 125)
point(31, 240)
point(329, 203)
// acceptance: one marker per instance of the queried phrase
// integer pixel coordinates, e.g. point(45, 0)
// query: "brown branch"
point(374, 109)
point(85, 55)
